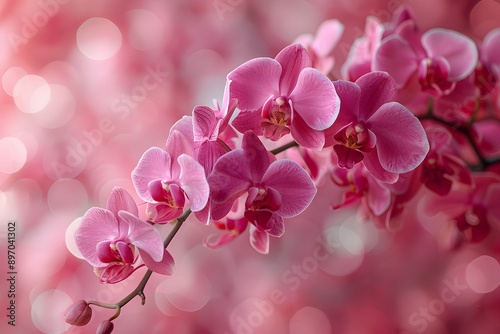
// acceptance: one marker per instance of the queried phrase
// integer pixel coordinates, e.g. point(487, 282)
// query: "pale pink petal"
point(315, 99)
point(305, 136)
point(401, 140)
point(396, 57)
point(143, 235)
point(162, 213)
point(491, 48)
point(217, 240)
point(293, 59)
point(377, 88)
point(205, 125)
point(184, 126)
point(153, 165)
point(259, 240)
point(327, 36)
point(458, 50)
point(177, 144)
point(164, 267)
point(378, 197)
point(97, 225)
point(228, 106)
point(254, 82)
point(194, 182)
point(372, 164)
point(295, 186)
point(120, 199)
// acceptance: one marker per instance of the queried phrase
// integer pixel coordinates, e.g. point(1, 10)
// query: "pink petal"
point(230, 177)
point(162, 213)
point(396, 57)
point(327, 36)
point(491, 48)
point(293, 59)
point(257, 157)
point(208, 153)
point(401, 140)
point(377, 88)
point(254, 82)
point(154, 165)
point(184, 126)
point(97, 225)
point(315, 99)
point(194, 182)
point(347, 157)
point(248, 121)
point(378, 197)
point(204, 124)
point(275, 225)
point(120, 199)
point(164, 267)
point(228, 106)
point(259, 240)
point(295, 186)
point(143, 235)
point(372, 164)
point(305, 136)
point(459, 50)
point(219, 239)
point(177, 144)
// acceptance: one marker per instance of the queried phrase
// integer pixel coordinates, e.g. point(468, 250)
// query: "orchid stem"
point(284, 147)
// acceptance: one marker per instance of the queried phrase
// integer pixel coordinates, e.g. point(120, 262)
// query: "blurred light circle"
point(67, 195)
point(70, 238)
point(338, 259)
point(310, 320)
point(59, 110)
point(31, 94)
point(483, 274)
point(13, 153)
point(10, 78)
point(48, 309)
point(146, 30)
point(98, 38)
point(351, 240)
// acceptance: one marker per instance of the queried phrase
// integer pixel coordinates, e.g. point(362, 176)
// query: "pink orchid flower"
point(320, 46)
point(164, 178)
point(284, 95)
point(113, 239)
point(439, 58)
point(487, 73)
point(274, 190)
point(384, 135)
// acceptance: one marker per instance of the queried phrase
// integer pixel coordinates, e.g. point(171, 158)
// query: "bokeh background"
point(88, 86)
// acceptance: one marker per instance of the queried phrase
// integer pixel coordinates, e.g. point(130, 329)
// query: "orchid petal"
point(293, 59)
point(259, 240)
point(315, 99)
point(372, 164)
point(120, 199)
point(401, 140)
point(458, 50)
point(396, 57)
point(154, 165)
point(248, 120)
point(164, 267)
point(204, 124)
point(305, 136)
point(143, 235)
point(194, 182)
point(296, 195)
point(327, 36)
point(254, 82)
point(97, 225)
point(377, 88)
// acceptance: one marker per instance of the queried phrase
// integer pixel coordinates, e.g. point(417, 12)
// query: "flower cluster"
point(416, 115)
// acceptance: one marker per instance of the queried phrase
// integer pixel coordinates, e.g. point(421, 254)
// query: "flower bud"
point(78, 314)
point(105, 327)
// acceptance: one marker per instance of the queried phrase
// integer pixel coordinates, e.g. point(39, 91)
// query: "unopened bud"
point(78, 314)
point(105, 327)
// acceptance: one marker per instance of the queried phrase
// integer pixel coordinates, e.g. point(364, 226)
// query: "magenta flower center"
point(279, 112)
point(356, 137)
point(115, 251)
point(168, 193)
point(433, 77)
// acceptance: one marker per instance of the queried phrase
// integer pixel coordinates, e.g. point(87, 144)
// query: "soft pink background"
point(372, 283)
